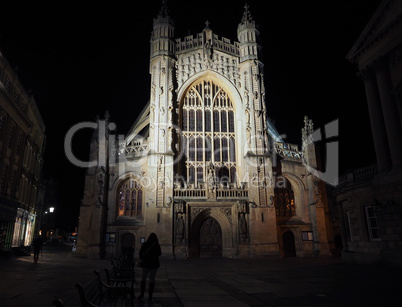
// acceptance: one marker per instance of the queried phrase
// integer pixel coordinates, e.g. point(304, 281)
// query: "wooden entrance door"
point(128, 245)
point(210, 239)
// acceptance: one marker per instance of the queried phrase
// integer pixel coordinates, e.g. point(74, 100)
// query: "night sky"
point(81, 60)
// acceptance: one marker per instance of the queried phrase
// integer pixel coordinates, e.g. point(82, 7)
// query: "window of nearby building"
point(130, 198)
point(11, 132)
point(307, 235)
point(208, 128)
point(3, 119)
point(3, 177)
point(372, 223)
point(18, 145)
point(284, 199)
point(348, 226)
point(110, 237)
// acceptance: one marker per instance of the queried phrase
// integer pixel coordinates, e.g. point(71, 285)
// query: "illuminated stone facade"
point(202, 166)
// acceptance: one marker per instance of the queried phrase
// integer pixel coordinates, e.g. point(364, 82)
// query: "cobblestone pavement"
point(208, 282)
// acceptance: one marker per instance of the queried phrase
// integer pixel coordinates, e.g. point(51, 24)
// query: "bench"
point(98, 293)
point(120, 278)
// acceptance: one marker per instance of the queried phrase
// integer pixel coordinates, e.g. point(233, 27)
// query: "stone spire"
point(247, 20)
point(307, 130)
point(207, 23)
point(164, 12)
point(163, 15)
point(246, 15)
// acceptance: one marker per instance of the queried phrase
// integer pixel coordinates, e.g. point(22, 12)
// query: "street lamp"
point(47, 222)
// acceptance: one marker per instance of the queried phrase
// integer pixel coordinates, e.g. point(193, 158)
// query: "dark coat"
point(149, 254)
point(37, 245)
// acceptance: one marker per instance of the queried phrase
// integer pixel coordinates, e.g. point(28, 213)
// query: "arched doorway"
point(338, 245)
point(289, 247)
point(128, 245)
point(210, 239)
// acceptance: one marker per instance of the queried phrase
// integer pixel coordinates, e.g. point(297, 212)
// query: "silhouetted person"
point(37, 246)
point(149, 254)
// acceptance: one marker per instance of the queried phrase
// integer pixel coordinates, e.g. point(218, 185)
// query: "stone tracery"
point(209, 133)
point(130, 198)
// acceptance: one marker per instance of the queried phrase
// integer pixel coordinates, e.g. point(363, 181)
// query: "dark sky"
point(80, 60)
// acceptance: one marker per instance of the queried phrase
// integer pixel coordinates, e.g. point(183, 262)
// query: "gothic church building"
point(202, 166)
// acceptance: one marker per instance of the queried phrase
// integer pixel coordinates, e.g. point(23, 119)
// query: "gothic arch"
point(298, 188)
point(209, 136)
point(125, 176)
point(220, 80)
point(114, 190)
point(223, 221)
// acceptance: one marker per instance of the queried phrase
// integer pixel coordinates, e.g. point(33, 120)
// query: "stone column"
point(390, 111)
point(377, 121)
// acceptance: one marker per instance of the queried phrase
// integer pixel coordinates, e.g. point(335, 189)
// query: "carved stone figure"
point(211, 183)
point(208, 49)
point(100, 186)
point(180, 227)
point(242, 226)
point(248, 117)
point(271, 201)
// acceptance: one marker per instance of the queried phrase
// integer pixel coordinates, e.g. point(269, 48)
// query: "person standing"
point(149, 254)
point(37, 246)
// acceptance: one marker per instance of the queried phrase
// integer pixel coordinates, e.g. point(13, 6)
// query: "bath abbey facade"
point(203, 166)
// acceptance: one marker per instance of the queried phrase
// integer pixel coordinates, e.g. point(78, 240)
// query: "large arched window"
point(129, 200)
point(284, 199)
point(208, 128)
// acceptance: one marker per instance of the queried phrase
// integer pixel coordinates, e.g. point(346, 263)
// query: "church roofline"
point(193, 42)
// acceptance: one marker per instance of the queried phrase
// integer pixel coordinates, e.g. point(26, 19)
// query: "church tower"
point(258, 156)
point(161, 126)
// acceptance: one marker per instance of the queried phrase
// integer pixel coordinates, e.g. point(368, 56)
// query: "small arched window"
point(130, 197)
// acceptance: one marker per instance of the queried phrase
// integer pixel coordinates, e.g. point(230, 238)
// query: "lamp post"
point(46, 225)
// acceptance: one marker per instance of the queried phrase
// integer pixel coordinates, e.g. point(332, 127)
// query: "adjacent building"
point(370, 199)
point(202, 166)
point(22, 143)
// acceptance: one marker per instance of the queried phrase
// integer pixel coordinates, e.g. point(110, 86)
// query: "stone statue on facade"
point(211, 182)
point(242, 226)
point(180, 228)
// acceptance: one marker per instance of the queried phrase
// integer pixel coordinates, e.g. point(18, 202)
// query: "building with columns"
point(370, 199)
point(202, 166)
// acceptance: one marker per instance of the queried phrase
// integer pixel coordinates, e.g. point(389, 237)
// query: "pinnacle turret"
point(248, 35)
point(162, 38)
